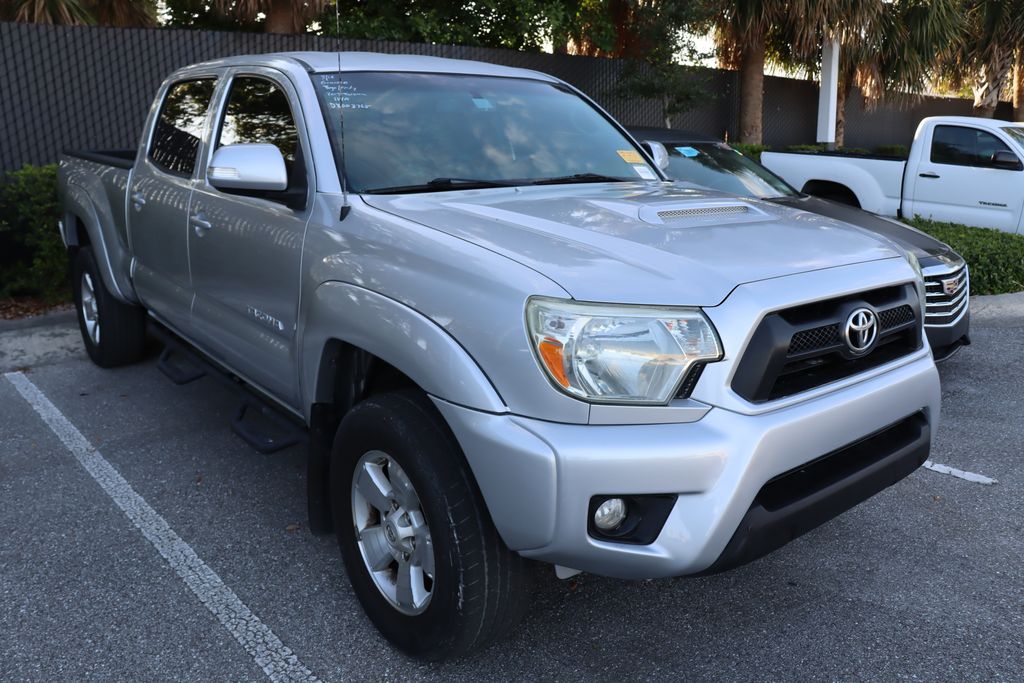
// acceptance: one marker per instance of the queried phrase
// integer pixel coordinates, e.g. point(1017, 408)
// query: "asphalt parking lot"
point(924, 582)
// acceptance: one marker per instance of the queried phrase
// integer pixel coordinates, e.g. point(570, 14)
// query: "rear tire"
point(114, 333)
point(478, 590)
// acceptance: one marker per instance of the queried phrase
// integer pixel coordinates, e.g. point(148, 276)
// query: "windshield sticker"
point(687, 151)
point(645, 173)
point(631, 156)
point(482, 103)
point(342, 94)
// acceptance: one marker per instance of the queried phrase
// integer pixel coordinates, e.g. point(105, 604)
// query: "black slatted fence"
point(90, 88)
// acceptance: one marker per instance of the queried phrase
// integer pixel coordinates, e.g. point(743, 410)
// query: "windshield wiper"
point(581, 178)
point(442, 184)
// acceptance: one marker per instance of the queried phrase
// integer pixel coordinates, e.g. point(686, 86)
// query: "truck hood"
point(643, 243)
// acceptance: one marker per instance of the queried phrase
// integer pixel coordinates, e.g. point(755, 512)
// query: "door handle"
point(929, 175)
point(138, 201)
point(200, 223)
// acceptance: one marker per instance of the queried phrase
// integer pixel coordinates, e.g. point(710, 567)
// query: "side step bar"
point(264, 427)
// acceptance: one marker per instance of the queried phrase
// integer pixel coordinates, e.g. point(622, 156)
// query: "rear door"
point(158, 199)
point(246, 247)
point(955, 180)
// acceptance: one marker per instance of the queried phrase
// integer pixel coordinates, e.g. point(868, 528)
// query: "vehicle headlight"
point(619, 354)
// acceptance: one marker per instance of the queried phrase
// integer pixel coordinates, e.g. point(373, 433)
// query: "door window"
point(962, 146)
point(179, 126)
point(257, 111)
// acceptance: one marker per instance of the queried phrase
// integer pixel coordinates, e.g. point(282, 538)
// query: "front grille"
point(946, 296)
point(813, 339)
point(801, 348)
point(894, 317)
point(827, 336)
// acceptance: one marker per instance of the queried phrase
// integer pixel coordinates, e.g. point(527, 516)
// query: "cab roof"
point(320, 62)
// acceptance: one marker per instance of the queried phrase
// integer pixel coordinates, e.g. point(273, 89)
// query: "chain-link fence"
point(90, 88)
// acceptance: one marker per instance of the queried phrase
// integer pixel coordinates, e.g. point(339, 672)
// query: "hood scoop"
point(701, 213)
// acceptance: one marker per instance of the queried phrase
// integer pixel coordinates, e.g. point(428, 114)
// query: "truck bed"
point(93, 186)
point(876, 182)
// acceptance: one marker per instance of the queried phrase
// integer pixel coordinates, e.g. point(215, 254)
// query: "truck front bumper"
point(742, 484)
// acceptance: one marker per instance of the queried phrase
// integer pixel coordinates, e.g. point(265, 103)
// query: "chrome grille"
point(701, 211)
point(946, 295)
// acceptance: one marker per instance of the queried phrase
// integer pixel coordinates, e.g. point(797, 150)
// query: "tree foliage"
point(893, 51)
point(121, 13)
point(745, 30)
point(984, 56)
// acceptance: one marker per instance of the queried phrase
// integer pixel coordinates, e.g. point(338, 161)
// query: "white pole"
point(829, 93)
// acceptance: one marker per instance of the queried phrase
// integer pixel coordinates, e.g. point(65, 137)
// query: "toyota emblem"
point(861, 330)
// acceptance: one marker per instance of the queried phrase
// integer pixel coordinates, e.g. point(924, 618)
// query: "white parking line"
point(962, 474)
point(266, 649)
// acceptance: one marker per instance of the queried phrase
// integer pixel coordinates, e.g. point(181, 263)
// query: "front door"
point(955, 180)
point(246, 247)
point(158, 200)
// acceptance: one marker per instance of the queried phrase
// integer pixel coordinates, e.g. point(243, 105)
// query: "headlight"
point(619, 354)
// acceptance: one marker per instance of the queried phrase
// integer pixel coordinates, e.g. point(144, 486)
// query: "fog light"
point(610, 514)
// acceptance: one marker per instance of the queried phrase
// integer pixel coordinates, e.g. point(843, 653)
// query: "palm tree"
point(68, 12)
point(744, 28)
point(121, 13)
point(894, 52)
point(124, 13)
point(282, 16)
point(1018, 85)
point(984, 57)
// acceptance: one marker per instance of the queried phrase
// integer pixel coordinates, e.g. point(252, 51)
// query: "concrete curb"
point(997, 306)
point(59, 317)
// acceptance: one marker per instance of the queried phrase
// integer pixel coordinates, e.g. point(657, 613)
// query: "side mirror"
point(1006, 160)
point(256, 167)
point(657, 152)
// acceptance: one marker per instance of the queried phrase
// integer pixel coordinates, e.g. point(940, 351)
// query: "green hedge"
point(33, 261)
point(751, 150)
point(996, 258)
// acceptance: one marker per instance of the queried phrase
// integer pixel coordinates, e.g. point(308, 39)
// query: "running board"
point(181, 372)
point(266, 431)
point(257, 422)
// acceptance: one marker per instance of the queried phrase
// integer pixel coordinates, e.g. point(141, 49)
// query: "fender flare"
point(78, 206)
point(396, 334)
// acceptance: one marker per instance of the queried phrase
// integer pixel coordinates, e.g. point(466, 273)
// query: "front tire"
point(419, 547)
point(114, 333)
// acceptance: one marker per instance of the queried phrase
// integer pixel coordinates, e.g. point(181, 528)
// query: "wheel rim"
point(90, 311)
point(392, 533)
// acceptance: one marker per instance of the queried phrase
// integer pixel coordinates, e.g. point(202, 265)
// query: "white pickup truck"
point(960, 169)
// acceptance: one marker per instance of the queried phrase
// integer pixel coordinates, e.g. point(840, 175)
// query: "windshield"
point(403, 130)
point(718, 166)
point(1015, 132)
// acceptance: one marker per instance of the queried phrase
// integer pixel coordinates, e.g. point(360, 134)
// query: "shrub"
point(996, 258)
point(819, 147)
point(892, 151)
point(749, 149)
point(32, 257)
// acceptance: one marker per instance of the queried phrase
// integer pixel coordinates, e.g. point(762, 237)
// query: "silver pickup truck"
point(506, 336)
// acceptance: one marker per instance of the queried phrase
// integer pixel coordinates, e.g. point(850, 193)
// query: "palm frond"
point(67, 12)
